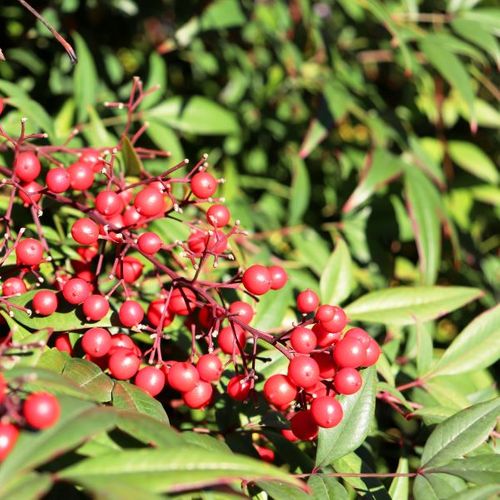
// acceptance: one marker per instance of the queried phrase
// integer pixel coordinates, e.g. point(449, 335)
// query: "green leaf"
point(350, 433)
point(278, 490)
point(103, 489)
point(300, 193)
point(482, 469)
point(400, 486)
point(489, 491)
point(436, 487)
point(66, 319)
point(324, 487)
point(176, 469)
point(452, 70)
point(28, 486)
point(336, 282)
point(472, 159)
point(222, 14)
point(461, 433)
point(85, 79)
point(96, 133)
point(271, 309)
point(409, 305)
point(196, 115)
point(424, 207)
point(382, 169)
point(130, 397)
point(157, 76)
point(34, 113)
point(166, 139)
point(147, 429)
point(318, 129)
point(477, 346)
point(423, 160)
point(434, 414)
point(132, 162)
point(425, 347)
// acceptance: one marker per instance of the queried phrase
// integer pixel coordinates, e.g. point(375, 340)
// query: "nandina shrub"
point(116, 324)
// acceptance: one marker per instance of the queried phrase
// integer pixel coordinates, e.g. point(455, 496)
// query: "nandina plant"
point(115, 324)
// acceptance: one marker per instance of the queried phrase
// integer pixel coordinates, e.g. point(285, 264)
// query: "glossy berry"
point(76, 290)
point(243, 311)
point(8, 437)
point(120, 340)
point(199, 396)
point(130, 313)
point(303, 425)
point(214, 242)
point(30, 193)
point(257, 279)
point(85, 231)
point(239, 387)
point(349, 353)
point(209, 367)
point(13, 286)
point(41, 410)
point(150, 380)
point(27, 166)
point(58, 180)
point(325, 363)
point(81, 176)
point(129, 269)
point(44, 302)
point(158, 313)
point(372, 353)
point(96, 342)
point(95, 307)
point(337, 322)
point(63, 344)
point(265, 453)
point(149, 243)
point(149, 202)
point(278, 277)
point(123, 363)
point(307, 301)
point(183, 377)
point(182, 301)
point(231, 339)
point(347, 381)
point(131, 217)
point(108, 203)
point(203, 185)
point(279, 390)
point(303, 340)
point(218, 215)
point(358, 334)
point(303, 371)
point(324, 337)
point(29, 252)
point(3, 389)
point(91, 157)
point(326, 411)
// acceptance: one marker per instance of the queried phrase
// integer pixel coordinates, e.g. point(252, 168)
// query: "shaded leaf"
point(400, 486)
point(132, 163)
point(85, 78)
point(325, 487)
point(482, 469)
point(300, 192)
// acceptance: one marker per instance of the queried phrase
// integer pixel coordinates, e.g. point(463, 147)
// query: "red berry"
point(257, 279)
point(303, 371)
point(123, 363)
point(347, 381)
point(149, 243)
point(76, 290)
point(279, 390)
point(209, 367)
point(27, 166)
point(29, 252)
point(303, 340)
point(131, 217)
point(129, 269)
point(199, 396)
point(358, 334)
point(8, 437)
point(218, 215)
point(214, 242)
point(307, 301)
point(96, 342)
point(149, 202)
point(265, 454)
point(58, 180)
point(337, 322)
point(30, 193)
point(120, 340)
point(325, 363)
point(91, 156)
point(230, 339)
point(243, 311)
point(150, 380)
point(3, 389)
point(95, 307)
point(317, 391)
point(183, 377)
point(239, 387)
point(303, 425)
point(41, 410)
point(324, 337)
point(372, 353)
point(63, 344)
point(85, 231)
point(278, 277)
point(108, 203)
point(182, 301)
point(289, 435)
point(44, 302)
point(326, 411)
point(130, 313)
point(324, 313)
point(13, 286)
point(81, 175)
point(158, 312)
point(205, 317)
point(203, 185)
point(349, 353)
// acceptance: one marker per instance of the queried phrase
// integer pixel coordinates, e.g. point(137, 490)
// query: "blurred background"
point(360, 137)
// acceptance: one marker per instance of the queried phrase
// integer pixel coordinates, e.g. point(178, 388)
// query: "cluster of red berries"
point(38, 411)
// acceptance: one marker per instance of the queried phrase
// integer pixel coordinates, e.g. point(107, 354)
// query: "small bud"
point(11, 314)
point(40, 213)
point(29, 312)
point(215, 333)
